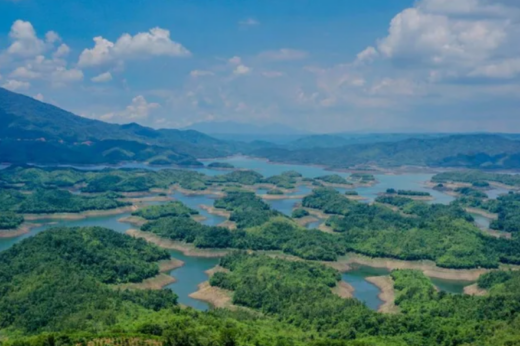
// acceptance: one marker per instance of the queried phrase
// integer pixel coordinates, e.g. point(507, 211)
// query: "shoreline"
point(280, 197)
point(24, 228)
point(215, 211)
point(343, 290)
point(215, 297)
point(386, 293)
point(481, 212)
point(184, 248)
point(428, 268)
point(474, 290)
point(157, 282)
point(81, 215)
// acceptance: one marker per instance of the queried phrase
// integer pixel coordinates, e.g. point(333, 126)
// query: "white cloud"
point(14, 85)
point(241, 69)
point(39, 97)
point(25, 42)
point(63, 76)
point(505, 69)
point(24, 73)
point(156, 42)
point(62, 51)
point(446, 40)
point(369, 54)
point(52, 37)
point(236, 60)
point(102, 78)
point(249, 22)
point(284, 54)
point(139, 109)
point(200, 73)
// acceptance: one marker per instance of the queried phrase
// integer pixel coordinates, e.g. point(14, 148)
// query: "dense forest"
point(299, 293)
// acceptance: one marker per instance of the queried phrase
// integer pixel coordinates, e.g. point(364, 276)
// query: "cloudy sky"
point(323, 66)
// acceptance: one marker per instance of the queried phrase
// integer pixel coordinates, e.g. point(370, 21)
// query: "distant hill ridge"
point(471, 151)
point(39, 132)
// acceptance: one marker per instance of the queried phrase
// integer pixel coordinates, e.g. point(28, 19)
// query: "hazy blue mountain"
point(25, 124)
point(232, 127)
point(472, 151)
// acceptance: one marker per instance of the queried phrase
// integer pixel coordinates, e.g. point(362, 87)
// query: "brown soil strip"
point(474, 290)
point(133, 220)
point(215, 296)
point(428, 268)
point(387, 294)
point(22, 229)
point(280, 197)
point(186, 249)
point(82, 215)
point(156, 283)
point(324, 228)
point(481, 212)
point(229, 225)
point(304, 221)
point(343, 290)
point(215, 211)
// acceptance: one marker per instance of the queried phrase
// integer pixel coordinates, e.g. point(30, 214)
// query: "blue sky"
point(323, 66)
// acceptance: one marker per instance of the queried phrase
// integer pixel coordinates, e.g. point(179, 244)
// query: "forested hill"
point(28, 125)
point(474, 151)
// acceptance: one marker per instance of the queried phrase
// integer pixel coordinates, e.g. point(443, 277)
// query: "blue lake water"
point(193, 272)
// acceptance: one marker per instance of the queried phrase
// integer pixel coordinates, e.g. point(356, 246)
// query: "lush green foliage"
point(470, 192)
point(247, 209)
point(334, 179)
point(478, 177)
point(244, 177)
point(299, 213)
point(276, 192)
point(10, 220)
point(154, 212)
point(56, 280)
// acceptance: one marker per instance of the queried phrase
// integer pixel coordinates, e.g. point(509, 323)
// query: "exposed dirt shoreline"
point(386, 293)
point(428, 268)
point(21, 230)
point(160, 280)
point(214, 296)
point(186, 249)
point(474, 290)
point(82, 215)
point(343, 290)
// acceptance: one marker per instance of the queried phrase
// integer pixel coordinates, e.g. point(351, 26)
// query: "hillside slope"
point(34, 131)
point(474, 151)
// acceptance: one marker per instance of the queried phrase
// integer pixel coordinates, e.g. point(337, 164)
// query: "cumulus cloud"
point(241, 70)
point(453, 38)
point(138, 109)
point(62, 51)
point(24, 73)
point(156, 42)
point(284, 54)
point(102, 78)
point(236, 60)
point(15, 85)
point(25, 42)
point(62, 76)
point(52, 37)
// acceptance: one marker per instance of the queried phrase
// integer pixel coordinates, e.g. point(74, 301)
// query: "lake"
point(193, 272)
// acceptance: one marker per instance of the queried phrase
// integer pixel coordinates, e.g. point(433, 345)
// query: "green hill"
point(475, 151)
point(33, 131)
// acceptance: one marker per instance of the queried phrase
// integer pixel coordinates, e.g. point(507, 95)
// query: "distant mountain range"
point(485, 151)
point(35, 132)
point(236, 131)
